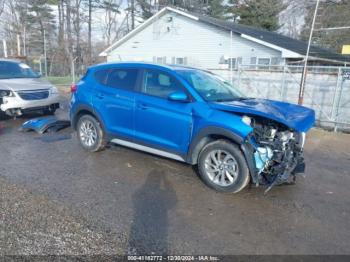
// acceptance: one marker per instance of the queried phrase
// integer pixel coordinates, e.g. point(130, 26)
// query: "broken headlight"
point(247, 120)
point(4, 93)
point(54, 90)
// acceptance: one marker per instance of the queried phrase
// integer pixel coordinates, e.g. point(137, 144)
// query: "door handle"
point(100, 95)
point(143, 106)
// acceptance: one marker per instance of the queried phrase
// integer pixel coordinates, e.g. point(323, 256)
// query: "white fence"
point(327, 89)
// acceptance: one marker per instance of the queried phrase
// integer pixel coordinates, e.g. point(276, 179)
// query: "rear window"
point(118, 78)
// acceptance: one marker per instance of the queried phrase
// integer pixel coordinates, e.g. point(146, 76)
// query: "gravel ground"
point(58, 199)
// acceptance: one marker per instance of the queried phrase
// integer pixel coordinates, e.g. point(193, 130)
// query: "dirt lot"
point(58, 199)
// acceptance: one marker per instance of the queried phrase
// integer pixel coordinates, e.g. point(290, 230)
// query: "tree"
point(110, 23)
point(216, 8)
point(257, 13)
point(331, 13)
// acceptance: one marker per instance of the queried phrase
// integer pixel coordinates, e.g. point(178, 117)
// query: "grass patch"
point(61, 80)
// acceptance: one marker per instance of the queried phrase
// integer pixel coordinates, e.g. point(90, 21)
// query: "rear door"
point(115, 100)
point(159, 122)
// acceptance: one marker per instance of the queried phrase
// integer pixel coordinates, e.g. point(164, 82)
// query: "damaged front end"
point(274, 151)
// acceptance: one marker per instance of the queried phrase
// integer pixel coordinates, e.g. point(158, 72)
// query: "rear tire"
point(222, 166)
point(90, 133)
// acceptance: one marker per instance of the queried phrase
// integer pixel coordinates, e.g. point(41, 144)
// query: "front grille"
point(33, 94)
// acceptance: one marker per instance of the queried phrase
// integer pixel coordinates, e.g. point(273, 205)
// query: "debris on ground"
point(45, 124)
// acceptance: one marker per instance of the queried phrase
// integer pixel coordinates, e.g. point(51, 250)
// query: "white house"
point(176, 37)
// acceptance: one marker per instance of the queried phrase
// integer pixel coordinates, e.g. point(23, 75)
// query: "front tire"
point(222, 166)
point(90, 133)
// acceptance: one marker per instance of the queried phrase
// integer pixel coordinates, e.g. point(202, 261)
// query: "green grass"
point(61, 80)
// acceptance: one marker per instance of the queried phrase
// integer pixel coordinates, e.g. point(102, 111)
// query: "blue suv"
point(193, 116)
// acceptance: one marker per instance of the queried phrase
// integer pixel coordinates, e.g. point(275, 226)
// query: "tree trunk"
point(89, 33)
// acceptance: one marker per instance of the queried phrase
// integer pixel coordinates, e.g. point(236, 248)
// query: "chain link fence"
point(327, 89)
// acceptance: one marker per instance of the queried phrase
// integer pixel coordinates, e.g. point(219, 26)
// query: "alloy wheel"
point(88, 133)
point(221, 167)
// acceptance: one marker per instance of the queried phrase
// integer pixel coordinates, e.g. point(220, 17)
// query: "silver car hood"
point(19, 84)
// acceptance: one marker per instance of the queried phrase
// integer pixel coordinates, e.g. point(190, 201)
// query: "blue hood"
point(296, 117)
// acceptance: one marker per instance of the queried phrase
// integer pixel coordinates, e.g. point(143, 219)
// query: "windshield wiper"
point(232, 99)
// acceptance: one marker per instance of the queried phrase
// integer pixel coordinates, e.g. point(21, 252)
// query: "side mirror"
point(178, 96)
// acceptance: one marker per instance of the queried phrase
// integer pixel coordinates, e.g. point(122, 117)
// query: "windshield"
point(16, 70)
point(212, 88)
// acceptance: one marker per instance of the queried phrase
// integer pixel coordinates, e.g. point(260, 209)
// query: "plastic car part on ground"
point(46, 124)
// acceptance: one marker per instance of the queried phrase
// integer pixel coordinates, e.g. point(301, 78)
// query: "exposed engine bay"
point(278, 152)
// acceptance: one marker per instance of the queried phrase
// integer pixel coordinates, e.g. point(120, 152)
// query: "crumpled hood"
point(17, 84)
point(296, 117)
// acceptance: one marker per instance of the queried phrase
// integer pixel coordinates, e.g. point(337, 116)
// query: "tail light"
point(73, 88)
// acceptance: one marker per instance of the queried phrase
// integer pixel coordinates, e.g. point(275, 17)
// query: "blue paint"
point(170, 123)
point(296, 117)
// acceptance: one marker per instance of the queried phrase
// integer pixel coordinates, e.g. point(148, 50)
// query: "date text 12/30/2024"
point(173, 258)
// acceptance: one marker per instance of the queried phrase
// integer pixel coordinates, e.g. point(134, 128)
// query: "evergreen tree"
point(38, 18)
point(216, 8)
point(258, 13)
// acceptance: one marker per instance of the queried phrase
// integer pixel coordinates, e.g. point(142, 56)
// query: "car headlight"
point(54, 90)
point(246, 120)
point(4, 93)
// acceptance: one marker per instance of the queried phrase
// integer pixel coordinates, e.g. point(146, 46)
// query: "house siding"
point(174, 35)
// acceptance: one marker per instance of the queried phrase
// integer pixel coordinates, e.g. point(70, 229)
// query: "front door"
point(159, 122)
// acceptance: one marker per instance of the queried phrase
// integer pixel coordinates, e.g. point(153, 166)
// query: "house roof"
point(279, 40)
point(294, 47)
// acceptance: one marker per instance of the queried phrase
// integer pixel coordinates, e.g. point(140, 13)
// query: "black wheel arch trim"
point(248, 151)
point(91, 111)
point(203, 137)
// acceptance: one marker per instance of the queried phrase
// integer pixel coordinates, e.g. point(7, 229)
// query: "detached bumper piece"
point(288, 171)
point(46, 124)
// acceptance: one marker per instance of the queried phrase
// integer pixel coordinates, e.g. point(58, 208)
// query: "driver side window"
point(158, 83)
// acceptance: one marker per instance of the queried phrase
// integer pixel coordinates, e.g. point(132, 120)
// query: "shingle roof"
point(285, 42)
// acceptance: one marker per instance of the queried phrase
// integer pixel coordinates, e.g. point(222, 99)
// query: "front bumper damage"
point(15, 105)
point(271, 170)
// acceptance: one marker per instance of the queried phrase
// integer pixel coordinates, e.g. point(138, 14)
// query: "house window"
point(231, 62)
point(264, 61)
point(275, 61)
point(253, 60)
point(179, 60)
point(159, 59)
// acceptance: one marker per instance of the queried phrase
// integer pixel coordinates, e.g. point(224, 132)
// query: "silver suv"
point(22, 90)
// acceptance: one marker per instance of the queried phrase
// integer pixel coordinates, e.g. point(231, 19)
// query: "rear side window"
point(118, 78)
point(101, 76)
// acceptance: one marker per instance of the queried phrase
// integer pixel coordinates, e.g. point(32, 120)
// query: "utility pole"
point(24, 41)
point(89, 33)
point(231, 61)
point(303, 76)
point(132, 14)
point(5, 47)
point(18, 45)
point(45, 55)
